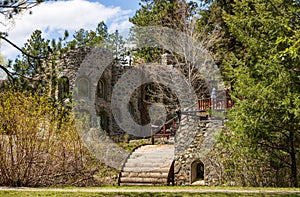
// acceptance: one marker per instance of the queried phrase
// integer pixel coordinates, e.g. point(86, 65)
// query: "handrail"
point(172, 120)
point(203, 104)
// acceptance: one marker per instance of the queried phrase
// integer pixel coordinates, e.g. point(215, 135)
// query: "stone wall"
point(71, 64)
point(194, 143)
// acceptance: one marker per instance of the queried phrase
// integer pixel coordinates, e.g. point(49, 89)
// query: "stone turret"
point(71, 64)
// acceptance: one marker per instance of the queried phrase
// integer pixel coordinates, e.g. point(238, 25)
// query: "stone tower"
point(68, 77)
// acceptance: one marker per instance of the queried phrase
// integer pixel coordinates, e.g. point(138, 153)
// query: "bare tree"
point(187, 52)
point(187, 47)
point(10, 8)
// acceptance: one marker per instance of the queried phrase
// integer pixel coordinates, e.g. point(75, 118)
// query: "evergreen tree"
point(264, 124)
point(86, 38)
point(32, 70)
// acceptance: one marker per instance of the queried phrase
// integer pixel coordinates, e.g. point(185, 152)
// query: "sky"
point(54, 17)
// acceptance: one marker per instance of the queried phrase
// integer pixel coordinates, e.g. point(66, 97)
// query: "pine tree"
point(264, 124)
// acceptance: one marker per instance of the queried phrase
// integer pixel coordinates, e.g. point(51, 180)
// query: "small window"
point(101, 89)
point(83, 87)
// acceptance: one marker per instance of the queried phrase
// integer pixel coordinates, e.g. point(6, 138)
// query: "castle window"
point(101, 89)
point(63, 87)
point(83, 87)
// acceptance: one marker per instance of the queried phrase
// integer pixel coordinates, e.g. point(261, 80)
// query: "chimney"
point(166, 59)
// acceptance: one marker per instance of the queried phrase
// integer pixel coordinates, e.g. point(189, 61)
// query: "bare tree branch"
point(22, 51)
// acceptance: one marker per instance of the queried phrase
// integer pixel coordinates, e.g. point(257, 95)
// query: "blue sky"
point(124, 4)
point(54, 17)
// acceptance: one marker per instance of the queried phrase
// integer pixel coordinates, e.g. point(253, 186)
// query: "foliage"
point(84, 38)
point(263, 141)
point(175, 14)
point(211, 25)
point(29, 70)
point(37, 72)
point(9, 8)
point(99, 37)
point(36, 149)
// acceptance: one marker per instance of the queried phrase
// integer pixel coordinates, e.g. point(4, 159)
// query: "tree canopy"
point(264, 124)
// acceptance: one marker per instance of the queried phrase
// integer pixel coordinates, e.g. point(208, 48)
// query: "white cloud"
point(55, 17)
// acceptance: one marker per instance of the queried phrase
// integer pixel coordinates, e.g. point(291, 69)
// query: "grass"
point(186, 187)
point(129, 194)
point(86, 191)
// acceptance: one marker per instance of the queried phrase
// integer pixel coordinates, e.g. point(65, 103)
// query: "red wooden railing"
point(207, 104)
point(203, 105)
point(163, 132)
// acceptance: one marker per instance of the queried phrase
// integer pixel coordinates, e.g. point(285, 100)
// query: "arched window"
point(102, 89)
point(197, 171)
point(83, 87)
point(63, 87)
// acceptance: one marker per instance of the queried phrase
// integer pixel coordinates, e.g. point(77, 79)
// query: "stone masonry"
point(194, 143)
point(110, 76)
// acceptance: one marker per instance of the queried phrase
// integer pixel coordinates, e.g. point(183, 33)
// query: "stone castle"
point(191, 163)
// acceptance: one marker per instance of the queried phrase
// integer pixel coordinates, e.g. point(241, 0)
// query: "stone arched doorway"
point(197, 171)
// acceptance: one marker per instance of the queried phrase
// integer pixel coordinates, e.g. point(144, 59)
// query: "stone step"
point(149, 158)
point(164, 152)
point(151, 154)
point(145, 174)
point(146, 164)
point(145, 169)
point(143, 180)
point(152, 151)
point(154, 147)
point(138, 184)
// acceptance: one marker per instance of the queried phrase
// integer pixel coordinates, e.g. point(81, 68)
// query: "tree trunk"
point(293, 160)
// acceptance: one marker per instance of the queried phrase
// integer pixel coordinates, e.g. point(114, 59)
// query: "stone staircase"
point(149, 165)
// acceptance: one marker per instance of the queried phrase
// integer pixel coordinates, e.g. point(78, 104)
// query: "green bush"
point(39, 145)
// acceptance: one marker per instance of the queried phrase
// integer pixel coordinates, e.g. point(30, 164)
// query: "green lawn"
point(129, 194)
point(96, 191)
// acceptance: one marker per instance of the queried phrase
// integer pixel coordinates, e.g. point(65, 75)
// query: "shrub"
point(39, 145)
